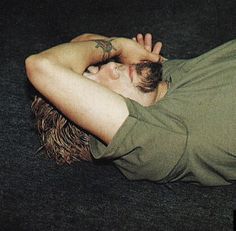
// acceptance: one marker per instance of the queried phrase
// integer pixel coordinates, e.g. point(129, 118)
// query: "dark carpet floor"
point(35, 193)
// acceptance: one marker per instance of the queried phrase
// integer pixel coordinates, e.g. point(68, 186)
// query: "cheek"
point(107, 79)
point(107, 83)
point(125, 90)
point(104, 75)
point(113, 85)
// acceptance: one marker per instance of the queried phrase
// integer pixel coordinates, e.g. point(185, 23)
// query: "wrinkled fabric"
point(189, 135)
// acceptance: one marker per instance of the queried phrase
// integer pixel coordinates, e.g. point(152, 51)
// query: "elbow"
point(31, 66)
point(36, 66)
point(38, 69)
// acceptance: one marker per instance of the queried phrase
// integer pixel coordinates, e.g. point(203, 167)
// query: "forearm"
point(78, 56)
point(88, 37)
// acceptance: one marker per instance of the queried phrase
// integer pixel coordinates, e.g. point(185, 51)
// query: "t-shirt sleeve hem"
point(100, 150)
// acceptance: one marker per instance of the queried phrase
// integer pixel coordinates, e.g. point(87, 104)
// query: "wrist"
point(106, 49)
point(117, 44)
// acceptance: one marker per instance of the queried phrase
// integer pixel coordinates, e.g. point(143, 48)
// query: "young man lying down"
point(156, 119)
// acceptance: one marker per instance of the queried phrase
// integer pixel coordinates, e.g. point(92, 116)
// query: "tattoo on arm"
point(106, 46)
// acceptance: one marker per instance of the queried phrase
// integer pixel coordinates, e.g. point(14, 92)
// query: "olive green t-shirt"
point(189, 135)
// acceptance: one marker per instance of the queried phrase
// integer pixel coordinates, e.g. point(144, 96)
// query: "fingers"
point(144, 41)
point(157, 48)
point(140, 39)
point(152, 57)
point(148, 42)
point(139, 49)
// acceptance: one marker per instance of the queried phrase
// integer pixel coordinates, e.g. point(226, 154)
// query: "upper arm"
point(88, 104)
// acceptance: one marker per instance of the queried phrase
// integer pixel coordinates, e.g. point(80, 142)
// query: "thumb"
point(153, 57)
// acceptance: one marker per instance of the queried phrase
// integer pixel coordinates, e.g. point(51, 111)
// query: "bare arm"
point(87, 37)
point(54, 73)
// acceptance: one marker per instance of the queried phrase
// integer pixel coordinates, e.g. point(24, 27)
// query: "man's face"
point(120, 78)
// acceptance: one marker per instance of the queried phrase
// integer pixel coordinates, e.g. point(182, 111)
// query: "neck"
point(161, 91)
point(148, 99)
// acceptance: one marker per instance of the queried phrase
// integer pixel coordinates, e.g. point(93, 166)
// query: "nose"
point(110, 70)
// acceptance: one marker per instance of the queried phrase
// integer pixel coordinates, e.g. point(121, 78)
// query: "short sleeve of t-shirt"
point(148, 145)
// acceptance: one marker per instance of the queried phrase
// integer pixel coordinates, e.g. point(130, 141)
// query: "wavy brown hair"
point(61, 138)
point(151, 75)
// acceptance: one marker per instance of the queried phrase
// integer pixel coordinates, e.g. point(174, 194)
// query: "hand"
point(133, 53)
point(146, 42)
point(87, 37)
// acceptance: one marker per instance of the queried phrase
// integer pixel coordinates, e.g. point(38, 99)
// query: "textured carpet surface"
point(35, 193)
